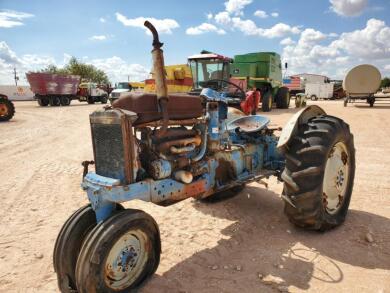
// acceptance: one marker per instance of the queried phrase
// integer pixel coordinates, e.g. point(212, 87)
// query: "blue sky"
point(322, 36)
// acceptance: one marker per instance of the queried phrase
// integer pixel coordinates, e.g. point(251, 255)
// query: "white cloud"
point(236, 6)
point(287, 42)
point(28, 62)
point(260, 13)
point(162, 25)
point(204, 28)
point(320, 53)
point(209, 16)
point(10, 18)
point(248, 27)
point(116, 68)
point(98, 38)
point(102, 19)
point(348, 7)
point(222, 18)
point(372, 42)
point(274, 14)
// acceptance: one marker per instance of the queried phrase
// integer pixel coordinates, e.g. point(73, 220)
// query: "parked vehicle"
point(164, 148)
point(91, 93)
point(7, 108)
point(125, 87)
point(261, 70)
point(60, 89)
point(300, 100)
point(361, 83)
point(319, 91)
point(179, 79)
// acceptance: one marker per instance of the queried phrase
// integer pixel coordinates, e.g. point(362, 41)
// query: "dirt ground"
point(219, 247)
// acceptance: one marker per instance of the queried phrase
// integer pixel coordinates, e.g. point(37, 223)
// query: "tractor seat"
point(145, 105)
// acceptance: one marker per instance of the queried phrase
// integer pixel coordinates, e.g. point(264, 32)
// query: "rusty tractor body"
point(164, 148)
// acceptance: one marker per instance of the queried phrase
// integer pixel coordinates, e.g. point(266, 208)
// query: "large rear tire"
point(283, 98)
point(7, 109)
point(119, 254)
point(266, 102)
point(319, 173)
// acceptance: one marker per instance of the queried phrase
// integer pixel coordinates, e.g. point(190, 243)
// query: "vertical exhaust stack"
point(159, 75)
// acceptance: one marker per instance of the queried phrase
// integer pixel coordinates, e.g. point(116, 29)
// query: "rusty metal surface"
point(165, 146)
point(184, 122)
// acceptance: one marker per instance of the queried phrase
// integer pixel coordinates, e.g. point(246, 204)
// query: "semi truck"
point(60, 89)
point(125, 87)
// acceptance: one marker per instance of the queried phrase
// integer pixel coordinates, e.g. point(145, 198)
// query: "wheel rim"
point(126, 260)
point(336, 178)
point(3, 110)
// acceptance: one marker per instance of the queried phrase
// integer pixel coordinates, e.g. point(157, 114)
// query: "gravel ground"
point(244, 244)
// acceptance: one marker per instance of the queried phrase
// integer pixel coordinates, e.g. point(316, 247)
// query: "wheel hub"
point(335, 178)
point(3, 110)
point(125, 260)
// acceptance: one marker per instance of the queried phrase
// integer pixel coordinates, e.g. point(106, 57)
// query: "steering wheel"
point(238, 92)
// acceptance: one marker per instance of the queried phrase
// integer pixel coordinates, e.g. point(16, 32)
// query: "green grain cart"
point(262, 70)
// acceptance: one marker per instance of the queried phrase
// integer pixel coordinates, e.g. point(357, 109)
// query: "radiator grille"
point(109, 152)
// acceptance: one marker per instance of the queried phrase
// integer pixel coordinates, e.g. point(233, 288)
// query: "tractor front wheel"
point(68, 246)
point(266, 102)
point(119, 254)
point(319, 173)
point(7, 109)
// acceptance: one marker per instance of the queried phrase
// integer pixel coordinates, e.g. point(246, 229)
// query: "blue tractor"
point(164, 148)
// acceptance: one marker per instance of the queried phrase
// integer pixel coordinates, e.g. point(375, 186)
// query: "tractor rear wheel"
point(283, 98)
point(319, 173)
point(266, 102)
point(7, 109)
point(68, 246)
point(119, 254)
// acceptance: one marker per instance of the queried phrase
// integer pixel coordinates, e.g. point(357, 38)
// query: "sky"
point(322, 36)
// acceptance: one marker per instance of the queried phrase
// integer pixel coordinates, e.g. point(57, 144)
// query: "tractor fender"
point(292, 125)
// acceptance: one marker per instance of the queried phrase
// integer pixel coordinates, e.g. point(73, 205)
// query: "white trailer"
point(316, 91)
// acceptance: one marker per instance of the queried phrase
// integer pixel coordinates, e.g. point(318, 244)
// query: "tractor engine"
point(129, 144)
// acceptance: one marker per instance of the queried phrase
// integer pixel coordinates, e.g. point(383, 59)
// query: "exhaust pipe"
point(159, 76)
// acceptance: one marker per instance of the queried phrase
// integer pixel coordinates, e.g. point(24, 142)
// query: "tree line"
point(87, 72)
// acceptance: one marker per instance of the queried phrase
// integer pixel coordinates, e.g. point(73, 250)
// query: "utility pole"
point(16, 77)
